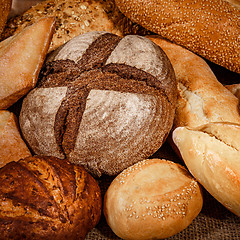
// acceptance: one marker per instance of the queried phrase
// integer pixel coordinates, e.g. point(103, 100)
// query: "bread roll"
point(74, 18)
point(201, 97)
point(153, 199)
point(21, 58)
point(5, 7)
point(212, 154)
point(12, 146)
point(46, 198)
point(209, 28)
point(101, 101)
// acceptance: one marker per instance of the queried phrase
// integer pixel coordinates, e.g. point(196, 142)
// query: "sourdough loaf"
point(153, 199)
point(102, 101)
point(12, 146)
point(74, 18)
point(21, 58)
point(47, 198)
point(209, 28)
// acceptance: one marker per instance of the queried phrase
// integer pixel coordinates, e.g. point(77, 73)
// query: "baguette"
point(209, 28)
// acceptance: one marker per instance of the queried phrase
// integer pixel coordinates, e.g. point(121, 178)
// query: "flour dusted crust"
point(153, 199)
point(99, 105)
point(74, 18)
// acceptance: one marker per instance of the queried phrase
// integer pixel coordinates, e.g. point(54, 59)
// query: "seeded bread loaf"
point(210, 28)
point(47, 198)
point(74, 18)
point(102, 101)
point(153, 199)
point(12, 146)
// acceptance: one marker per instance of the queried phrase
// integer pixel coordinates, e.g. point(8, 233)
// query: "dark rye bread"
point(100, 138)
point(47, 198)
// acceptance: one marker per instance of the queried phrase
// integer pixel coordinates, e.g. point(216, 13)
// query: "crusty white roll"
point(12, 146)
point(201, 97)
point(153, 199)
point(209, 28)
point(212, 154)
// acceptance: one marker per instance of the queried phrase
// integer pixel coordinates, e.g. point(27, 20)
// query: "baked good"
point(21, 58)
point(47, 198)
point(5, 7)
point(102, 101)
point(153, 199)
point(235, 89)
point(74, 18)
point(235, 3)
point(201, 97)
point(212, 154)
point(208, 28)
point(12, 146)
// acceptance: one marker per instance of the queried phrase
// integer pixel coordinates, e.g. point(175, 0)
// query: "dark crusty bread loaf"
point(74, 18)
point(47, 198)
point(209, 28)
point(102, 101)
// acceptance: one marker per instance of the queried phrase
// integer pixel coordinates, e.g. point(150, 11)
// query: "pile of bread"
point(90, 89)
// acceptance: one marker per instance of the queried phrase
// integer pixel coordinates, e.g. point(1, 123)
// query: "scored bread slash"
point(212, 154)
point(74, 17)
point(21, 58)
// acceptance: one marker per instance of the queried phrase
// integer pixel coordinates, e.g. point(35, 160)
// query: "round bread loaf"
point(153, 199)
point(47, 198)
point(209, 28)
point(101, 101)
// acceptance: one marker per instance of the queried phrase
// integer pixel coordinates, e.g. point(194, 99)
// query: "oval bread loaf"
point(47, 198)
point(102, 101)
point(153, 199)
point(209, 28)
point(212, 154)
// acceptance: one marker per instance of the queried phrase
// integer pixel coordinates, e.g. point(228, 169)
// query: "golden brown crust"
point(74, 18)
point(201, 97)
point(209, 28)
point(21, 58)
point(12, 146)
point(47, 198)
point(5, 7)
point(153, 199)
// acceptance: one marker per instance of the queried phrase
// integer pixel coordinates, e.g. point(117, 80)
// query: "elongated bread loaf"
point(201, 97)
point(209, 28)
